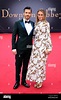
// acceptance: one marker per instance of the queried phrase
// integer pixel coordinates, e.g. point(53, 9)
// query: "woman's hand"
point(47, 52)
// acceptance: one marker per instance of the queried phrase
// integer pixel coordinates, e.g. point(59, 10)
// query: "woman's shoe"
point(35, 85)
point(38, 85)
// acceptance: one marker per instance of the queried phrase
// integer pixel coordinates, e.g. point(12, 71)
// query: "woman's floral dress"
point(42, 41)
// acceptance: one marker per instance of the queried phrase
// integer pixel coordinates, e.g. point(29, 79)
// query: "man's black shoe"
point(26, 85)
point(16, 85)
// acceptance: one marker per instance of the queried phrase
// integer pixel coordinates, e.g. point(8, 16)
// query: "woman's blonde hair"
point(43, 11)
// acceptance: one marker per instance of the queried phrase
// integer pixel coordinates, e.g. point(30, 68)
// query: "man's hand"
point(14, 51)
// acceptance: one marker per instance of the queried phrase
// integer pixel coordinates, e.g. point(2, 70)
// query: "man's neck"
point(26, 19)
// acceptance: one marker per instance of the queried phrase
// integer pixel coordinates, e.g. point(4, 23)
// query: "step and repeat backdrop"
point(12, 10)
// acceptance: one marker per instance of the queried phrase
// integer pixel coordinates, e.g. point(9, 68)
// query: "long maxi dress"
point(38, 59)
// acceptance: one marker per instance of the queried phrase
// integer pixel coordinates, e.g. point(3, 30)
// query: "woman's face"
point(40, 16)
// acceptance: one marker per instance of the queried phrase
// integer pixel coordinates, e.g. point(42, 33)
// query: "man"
point(22, 45)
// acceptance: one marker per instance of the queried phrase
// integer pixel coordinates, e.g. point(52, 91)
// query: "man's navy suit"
point(22, 42)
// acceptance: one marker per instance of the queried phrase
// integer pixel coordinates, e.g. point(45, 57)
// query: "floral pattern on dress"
point(37, 63)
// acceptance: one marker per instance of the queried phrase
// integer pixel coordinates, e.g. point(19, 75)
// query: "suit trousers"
point(21, 61)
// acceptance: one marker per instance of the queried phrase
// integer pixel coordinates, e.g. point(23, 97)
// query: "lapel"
point(22, 23)
point(32, 27)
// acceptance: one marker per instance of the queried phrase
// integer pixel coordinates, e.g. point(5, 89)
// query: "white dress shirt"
point(28, 26)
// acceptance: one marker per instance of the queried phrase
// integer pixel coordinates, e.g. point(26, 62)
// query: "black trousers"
point(22, 60)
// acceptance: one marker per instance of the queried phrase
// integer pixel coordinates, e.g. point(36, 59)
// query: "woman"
point(42, 46)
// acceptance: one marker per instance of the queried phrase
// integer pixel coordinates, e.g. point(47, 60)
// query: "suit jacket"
point(20, 37)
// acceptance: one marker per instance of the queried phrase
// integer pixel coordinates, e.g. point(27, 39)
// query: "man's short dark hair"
point(27, 8)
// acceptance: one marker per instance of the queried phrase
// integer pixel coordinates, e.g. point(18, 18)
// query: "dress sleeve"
point(49, 39)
